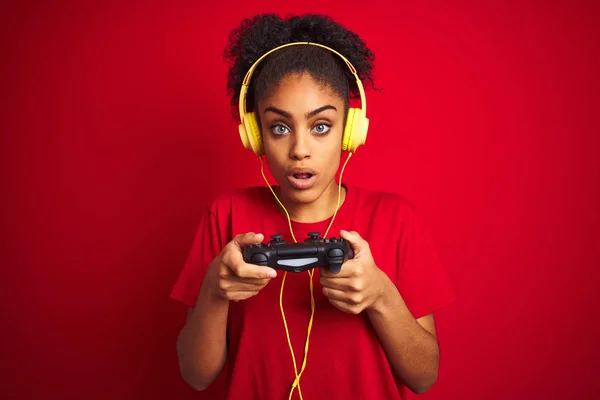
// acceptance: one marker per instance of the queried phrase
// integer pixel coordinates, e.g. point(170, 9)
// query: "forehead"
point(301, 93)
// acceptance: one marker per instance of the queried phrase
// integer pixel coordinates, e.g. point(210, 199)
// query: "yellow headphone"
point(357, 124)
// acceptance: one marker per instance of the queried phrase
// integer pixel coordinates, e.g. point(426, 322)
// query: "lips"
point(302, 178)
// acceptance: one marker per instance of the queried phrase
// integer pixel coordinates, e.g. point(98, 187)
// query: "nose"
point(300, 147)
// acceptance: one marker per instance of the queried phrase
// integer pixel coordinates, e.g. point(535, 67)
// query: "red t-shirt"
point(345, 359)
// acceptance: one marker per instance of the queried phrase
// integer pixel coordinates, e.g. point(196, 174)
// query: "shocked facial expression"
point(302, 123)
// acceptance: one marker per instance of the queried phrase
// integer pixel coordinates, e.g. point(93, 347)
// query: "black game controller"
point(299, 257)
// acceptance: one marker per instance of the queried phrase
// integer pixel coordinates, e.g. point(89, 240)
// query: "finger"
point(332, 282)
point(353, 268)
point(236, 267)
point(349, 269)
point(334, 294)
point(358, 244)
point(235, 262)
point(345, 307)
point(232, 285)
point(345, 284)
point(243, 295)
point(249, 281)
point(244, 239)
point(251, 271)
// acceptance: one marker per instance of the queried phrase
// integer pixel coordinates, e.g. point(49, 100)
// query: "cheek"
point(274, 158)
point(331, 158)
point(273, 147)
point(333, 146)
point(333, 162)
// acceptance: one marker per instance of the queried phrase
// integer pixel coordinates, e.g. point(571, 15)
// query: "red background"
point(116, 128)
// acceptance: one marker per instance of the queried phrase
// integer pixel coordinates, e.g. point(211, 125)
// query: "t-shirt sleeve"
point(207, 244)
point(421, 279)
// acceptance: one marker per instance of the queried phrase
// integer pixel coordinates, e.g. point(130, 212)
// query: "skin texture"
point(293, 138)
point(410, 345)
point(302, 124)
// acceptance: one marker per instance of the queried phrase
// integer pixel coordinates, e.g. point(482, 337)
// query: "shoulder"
point(381, 200)
point(390, 214)
point(237, 198)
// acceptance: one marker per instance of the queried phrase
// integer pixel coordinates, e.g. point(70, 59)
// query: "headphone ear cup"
point(355, 132)
point(244, 136)
point(250, 134)
point(347, 136)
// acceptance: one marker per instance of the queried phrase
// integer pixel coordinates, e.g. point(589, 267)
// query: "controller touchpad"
point(298, 262)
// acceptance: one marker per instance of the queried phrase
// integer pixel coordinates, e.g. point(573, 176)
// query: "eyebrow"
point(307, 115)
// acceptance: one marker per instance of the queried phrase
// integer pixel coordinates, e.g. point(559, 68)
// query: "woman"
point(367, 331)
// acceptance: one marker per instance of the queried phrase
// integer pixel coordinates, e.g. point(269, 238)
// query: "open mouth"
point(302, 180)
point(302, 176)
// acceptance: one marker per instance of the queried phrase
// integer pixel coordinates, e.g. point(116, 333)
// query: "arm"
point(201, 344)
point(410, 345)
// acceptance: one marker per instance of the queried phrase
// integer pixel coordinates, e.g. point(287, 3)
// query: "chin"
point(301, 196)
point(305, 196)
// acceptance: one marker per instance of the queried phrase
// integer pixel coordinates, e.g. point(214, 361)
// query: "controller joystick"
point(277, 239)
point(313, 237)
point(299, 257)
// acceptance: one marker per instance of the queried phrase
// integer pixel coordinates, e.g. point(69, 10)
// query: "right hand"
point(235, 279)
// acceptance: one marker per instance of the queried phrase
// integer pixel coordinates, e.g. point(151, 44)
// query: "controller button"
point(277, 236)
point(314, 235)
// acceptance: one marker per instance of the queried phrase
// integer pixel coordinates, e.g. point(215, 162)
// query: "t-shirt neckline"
point(318, 226)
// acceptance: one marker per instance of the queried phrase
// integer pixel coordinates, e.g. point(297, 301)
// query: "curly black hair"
point(256, 36)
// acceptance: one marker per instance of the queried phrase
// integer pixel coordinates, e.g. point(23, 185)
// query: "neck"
point(319, 210)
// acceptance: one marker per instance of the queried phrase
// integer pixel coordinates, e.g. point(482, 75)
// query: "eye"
point(279, 129)
point(321, 128)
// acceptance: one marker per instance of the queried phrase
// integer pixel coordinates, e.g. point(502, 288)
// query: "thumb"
point(358, 244)
point(245, 239)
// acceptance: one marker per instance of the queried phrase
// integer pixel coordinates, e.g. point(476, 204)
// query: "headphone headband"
point(246, 82)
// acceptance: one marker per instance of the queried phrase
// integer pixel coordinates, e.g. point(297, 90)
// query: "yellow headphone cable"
point(296, 382)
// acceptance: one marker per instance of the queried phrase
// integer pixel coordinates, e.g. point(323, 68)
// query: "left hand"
point(360, 282)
